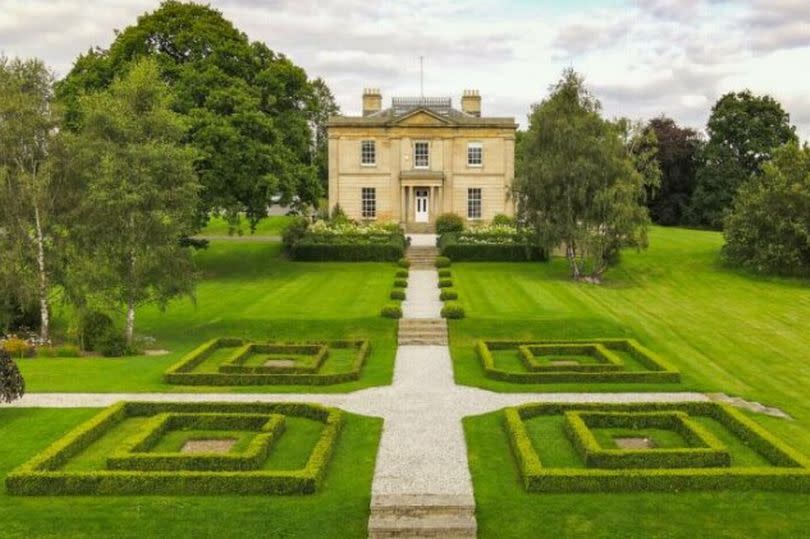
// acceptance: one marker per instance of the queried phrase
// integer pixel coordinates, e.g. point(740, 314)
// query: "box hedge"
point(659, 371)
point(789, 470)
point(183, 372)
point(42, 474)
point(534, 357)
point(235, 364)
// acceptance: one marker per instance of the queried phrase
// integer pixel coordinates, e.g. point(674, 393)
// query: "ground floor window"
point(474, 203)
point(369, 203)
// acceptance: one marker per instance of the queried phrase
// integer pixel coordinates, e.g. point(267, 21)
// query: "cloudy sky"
point(642, 58)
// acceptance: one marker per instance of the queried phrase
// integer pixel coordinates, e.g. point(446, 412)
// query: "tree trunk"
point(130, 328)
point(571, 255)
point(44, 311)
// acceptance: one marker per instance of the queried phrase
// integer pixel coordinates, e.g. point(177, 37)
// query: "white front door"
point(421, 214)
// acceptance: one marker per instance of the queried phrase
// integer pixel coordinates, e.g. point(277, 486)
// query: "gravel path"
point(422, 295)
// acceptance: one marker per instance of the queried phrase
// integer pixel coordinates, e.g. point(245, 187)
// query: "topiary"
point(398, 293)
point(445, 283)
point(12, 385)
point(92, 327)
point(448, 294)
point(503, 220)
point(404, 263)
point(449, 222)
point(453, 310)
point(403, 274)
point(442, 262)
point(391, 310)
point(445, 272)
point(400, 283)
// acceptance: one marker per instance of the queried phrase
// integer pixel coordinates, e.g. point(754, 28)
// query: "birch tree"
point(141, 195)
point(28, 190)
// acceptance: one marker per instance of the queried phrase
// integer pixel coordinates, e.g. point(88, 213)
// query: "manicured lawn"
point(341, 505)
point(269, 226)
point(725, 330)
point(247, 290)
point(505, 510)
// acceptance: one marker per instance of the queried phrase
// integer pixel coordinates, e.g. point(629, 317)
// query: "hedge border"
point(181, 372)
point(790, 470)
point(605, 359)
point(704, 450)
point(135, 454)
point(660, 370)
point(235, 364)
point(40, 475)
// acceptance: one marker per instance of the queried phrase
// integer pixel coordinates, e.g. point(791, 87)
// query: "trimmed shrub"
point(93, 327)
point(402, 274)
point(442, 262)
point(453, 310)
point(307, 251)
point(449, 222)
point(235, 364)
point(113, 344)
point(789, 470)
point(483, 252)
point(448, 294)
point(293, 232)
point(404, 263)
point(183, 372)
point(398, 294)
point(659, 371)
point(12, 385)
point(391, 310)
point(400, 283)
point(445, 283)
point(444, 272)
point(43, 475)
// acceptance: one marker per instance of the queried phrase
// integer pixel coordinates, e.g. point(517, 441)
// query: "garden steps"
point(422, 256)
point(422, 515)
point(422, 331)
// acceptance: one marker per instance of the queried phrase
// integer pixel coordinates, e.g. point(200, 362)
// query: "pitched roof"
point(404, 107)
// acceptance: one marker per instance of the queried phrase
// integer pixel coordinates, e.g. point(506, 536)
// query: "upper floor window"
point(474, 203)
point(368, 199)
point(421, 155)
point(368, 153)
point(475, 154)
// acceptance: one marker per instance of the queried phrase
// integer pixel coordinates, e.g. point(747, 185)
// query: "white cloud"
point(641, 57)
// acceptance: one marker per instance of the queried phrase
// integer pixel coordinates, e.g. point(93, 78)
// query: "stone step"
point(422, 341)
point(422, 323)
point(422, 527)
point(417, 505)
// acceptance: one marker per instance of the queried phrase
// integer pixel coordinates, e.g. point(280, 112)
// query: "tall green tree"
point(12, 385)
point(323, 106)
point(141, 193)
point(578, 184)
point(768, 229)
point(743, 130)
point(248, 107)
point(31, 213)
point(678, 149)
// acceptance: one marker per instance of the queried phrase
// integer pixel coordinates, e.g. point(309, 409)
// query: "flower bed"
point(490, 243)
point(345, 241)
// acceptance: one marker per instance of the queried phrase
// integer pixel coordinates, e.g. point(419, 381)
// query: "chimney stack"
point(471, 103)
point(372, 101)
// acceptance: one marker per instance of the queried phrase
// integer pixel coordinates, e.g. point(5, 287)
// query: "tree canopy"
point(743, 130)
point(249, 108)
point(140, 194)
point(768, 229)
point(678, 158)
point(578, 184)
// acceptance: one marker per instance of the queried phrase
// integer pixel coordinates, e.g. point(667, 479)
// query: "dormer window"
point(421, 155)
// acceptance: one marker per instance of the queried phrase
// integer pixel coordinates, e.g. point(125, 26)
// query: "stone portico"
point(420, 158)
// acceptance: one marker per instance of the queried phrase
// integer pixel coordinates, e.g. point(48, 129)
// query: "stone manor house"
point(420, 158)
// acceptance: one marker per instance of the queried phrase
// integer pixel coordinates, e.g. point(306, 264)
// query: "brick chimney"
point(471, 103)
point(372, 101)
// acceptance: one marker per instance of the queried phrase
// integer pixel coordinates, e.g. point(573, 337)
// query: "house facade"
point(420, 158)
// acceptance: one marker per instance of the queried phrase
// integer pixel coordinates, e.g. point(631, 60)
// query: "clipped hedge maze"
point(147, 457)
point(688, 446)
point(574, 361)
point(235, 362)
